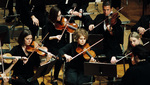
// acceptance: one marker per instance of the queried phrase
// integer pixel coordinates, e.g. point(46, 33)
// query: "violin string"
point(66, 25)
point(2, 57)
point(37, 46)
point(87, 48)
point(130, 53)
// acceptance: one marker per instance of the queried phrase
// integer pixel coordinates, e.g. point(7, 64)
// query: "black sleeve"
point(25, 7)
point(128, 78)
point(65, 50)
point(84, 5)
point(135, 27)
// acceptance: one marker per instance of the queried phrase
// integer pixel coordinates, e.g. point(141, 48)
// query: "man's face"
point(107, 10)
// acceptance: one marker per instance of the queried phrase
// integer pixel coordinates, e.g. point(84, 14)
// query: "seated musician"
point(140, 72)
point(133, 40)
point(51, 41)
point(24, 69)
point(74, 72)
point(143, 26)
point(113, 33)
point(67, 8)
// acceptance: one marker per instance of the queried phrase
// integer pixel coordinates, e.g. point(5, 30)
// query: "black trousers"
point(75, 77)
point(42, 17)
point(23, 81)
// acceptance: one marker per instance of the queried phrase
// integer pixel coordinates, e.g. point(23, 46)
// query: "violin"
point(8, 58)
point(87, 54)
point(40, 50)
point(64, 24)
point(112, 19)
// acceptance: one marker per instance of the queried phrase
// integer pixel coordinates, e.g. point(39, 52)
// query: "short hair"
point(78, 33)
point(140, 51)
point(53, 14)
point(22, 35)
point(107, 3)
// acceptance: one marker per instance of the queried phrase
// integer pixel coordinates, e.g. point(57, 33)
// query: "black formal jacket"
point(137, 75)
point(143, 22)
point(111, 42)
point(35, 7)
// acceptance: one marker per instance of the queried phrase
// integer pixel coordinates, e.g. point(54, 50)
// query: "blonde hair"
point(134, 35)
point(78, 33)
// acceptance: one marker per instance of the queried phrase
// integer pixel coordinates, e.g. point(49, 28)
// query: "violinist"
point(67, 8)
point(24, 69)
point(113, 33)
point(143, 26)
point(74, 69)
point(133, 40)
point(51, 41)
point(139, 73)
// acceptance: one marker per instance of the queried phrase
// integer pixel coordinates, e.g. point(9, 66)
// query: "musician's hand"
point(25, 60)
point(113, 60)
point(141, 30)
point(49, 56)
point(68, 58)
point(5, 79)
point(15, 60)
point(91, 27)
point(92, 60)
point(58, 37)
point(77, 14)
point(35, 20)
point(109, 29)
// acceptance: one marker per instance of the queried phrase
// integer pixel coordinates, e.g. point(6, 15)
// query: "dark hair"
point(22, 35)
point(107, 3)
point(53, 14)
point(140, 51)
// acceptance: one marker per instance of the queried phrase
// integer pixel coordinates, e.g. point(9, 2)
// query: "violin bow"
point(2, 57)
point(130, 53)
point(66, 25)
point(37, 46)
point(87, 48)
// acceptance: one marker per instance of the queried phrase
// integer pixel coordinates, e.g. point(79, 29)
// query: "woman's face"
point(134, 41)
point(59, 16)
point(28, 40)
point(81, 40)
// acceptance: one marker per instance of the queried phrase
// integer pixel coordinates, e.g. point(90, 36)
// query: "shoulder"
point(100, 16)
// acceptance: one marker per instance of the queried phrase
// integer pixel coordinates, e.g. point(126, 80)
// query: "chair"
point(4, 36)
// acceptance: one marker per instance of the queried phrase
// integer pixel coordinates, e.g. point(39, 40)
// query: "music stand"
point(42, 70)
point(100, 69)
